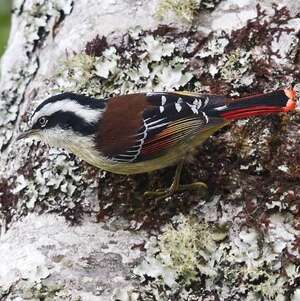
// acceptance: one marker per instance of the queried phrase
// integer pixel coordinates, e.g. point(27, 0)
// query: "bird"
point(143, 132)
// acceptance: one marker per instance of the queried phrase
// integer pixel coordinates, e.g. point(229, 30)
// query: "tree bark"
point(72, 232)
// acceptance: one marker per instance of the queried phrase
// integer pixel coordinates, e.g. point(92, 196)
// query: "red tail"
point(262, 104)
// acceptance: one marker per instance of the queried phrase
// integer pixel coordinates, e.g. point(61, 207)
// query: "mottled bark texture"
point(71, 232)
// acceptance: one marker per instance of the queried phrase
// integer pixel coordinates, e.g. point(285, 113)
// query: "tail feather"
point(261, 104)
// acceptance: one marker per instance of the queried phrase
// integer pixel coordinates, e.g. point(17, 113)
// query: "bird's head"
point(65, 119)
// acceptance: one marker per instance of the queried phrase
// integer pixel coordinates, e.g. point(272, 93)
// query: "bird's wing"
point(155, 124)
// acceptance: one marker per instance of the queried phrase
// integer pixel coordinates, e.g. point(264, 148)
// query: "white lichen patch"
point(282, 234)
point(108, 64)
point(54, 185)
point(125, 294)
point(215, 46)
point(283, 168)
point(234, 68)
point(233, 15)
point(38, 249)
point(249, 263)
point(151, 64)
point(155, 49)
point(285, 44)
point(256, 257)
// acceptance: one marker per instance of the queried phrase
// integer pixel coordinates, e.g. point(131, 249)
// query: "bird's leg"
point(175, 187)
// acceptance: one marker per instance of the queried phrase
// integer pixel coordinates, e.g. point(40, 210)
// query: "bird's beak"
point(26, 134)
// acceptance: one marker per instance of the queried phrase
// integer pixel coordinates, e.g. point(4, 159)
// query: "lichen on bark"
point(251, 167)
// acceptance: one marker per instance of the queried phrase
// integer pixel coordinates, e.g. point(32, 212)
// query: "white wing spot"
point(206, 101)
point(178, 104)
point(205, 116)
point(161, 109)
point(178, 107)
point(193, 107)
point(163, 100)
point(198, 103)
point(221, 108)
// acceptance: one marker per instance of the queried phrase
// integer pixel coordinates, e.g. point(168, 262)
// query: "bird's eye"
point(43, 121)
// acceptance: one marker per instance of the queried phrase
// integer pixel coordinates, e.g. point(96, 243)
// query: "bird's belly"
point(167, 159)
point(171, 157)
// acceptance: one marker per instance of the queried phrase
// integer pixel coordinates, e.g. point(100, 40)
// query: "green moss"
point(185, 10)
point(187, 247)
point(236, 67)
point(76, 71)
point(39, 291)
point(4, 23)
point(266, 284)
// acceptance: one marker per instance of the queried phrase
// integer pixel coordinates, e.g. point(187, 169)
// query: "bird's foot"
point(165, 193)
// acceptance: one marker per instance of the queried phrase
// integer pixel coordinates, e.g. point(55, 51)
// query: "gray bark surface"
point(72, 232)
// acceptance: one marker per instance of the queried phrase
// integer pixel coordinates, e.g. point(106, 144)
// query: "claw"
point(164, 193)
point(193, 186)
point(175, 187)
point(158, 195)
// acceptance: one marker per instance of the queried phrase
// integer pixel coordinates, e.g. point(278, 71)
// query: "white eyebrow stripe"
point(69, 105)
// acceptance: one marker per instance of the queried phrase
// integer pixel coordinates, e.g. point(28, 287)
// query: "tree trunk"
point(72, 232)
